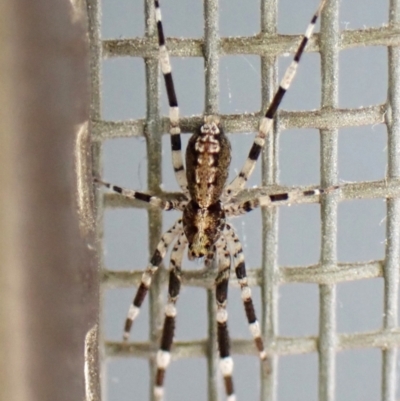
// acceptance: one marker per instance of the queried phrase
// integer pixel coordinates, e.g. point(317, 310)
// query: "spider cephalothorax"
point(206, 201)
point(202, 227)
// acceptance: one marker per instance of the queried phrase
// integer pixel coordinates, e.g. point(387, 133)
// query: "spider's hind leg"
point(174, 130)
point(267, 121)
point(174, 285)
point(147, 276)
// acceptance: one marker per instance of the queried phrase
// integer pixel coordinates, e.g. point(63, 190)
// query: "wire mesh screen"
point(324, 275)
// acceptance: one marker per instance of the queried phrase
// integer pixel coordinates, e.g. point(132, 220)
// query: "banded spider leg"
point(235, 208)
point(157, 258)
point(221, 293)
point(240, 271)
point(266, 122)
point(175, 130)
point(174, 285)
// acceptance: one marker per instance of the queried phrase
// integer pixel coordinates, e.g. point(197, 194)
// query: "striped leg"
point(164, 353)
point(174, 130)
point(240, 269)
point(267, 121)
point(151, 199)
point(285, 198)
point(221, 283)
point(144, 286)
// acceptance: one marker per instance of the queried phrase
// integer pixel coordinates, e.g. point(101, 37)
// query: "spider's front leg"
point(174, 285)
point(240, 270)
point(147, 276)
point(221, 292)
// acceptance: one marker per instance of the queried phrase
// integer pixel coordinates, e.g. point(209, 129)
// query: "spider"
point(206, 203)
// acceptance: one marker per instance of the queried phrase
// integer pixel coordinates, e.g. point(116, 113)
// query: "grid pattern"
point(329, 119)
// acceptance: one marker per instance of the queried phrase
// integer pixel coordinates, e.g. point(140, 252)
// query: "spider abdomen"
point(208, 156)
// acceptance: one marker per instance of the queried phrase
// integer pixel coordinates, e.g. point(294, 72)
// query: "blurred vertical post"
point(48, 275)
